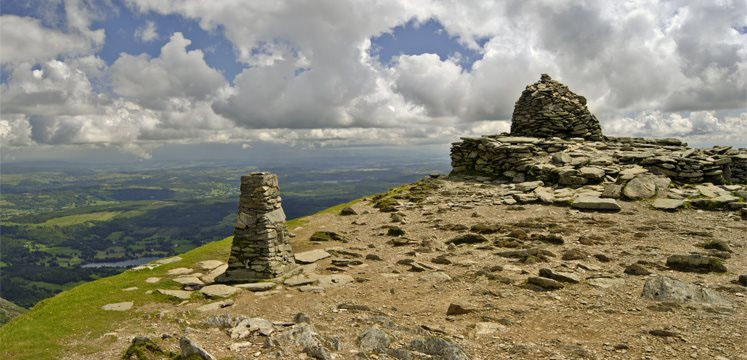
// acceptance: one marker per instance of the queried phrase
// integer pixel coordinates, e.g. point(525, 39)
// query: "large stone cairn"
point(261, 248)
point(548, 108)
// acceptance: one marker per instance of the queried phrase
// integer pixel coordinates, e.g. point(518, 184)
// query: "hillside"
point(444, 268)
point(9, 310)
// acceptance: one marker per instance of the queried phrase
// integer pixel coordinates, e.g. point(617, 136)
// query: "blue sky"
point(135, 75)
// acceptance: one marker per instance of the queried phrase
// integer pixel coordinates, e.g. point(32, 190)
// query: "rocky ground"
point(456, 269)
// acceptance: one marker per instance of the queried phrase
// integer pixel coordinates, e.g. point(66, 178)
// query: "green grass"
point(46, 331)
point(81, 218)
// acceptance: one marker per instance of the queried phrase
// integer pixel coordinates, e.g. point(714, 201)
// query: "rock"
point(170, 260)
point(311, 289)
point(528, 186)
point(132, 288)
point(300, 281)
point(180, 271)
point(322, 236)
point(457, 309)
point(605, 282)
point(542, 283)
point(143, 348)
point(334, 280)
point(636, 269)
point(301, 318)
point(255, 287)
point(641, 187)
point(347, 211)
point(742, 280)
point(487, 328)
point(305, 336)
point(439, 348)
point(218, 290)
point(208, 265)
point(595, 203)
point(215, 305)
point(374, 340)
point(467, 239)
point(152, 280)
point(189, 281)
point(436, 276)
point(668, 204)
point(210, 277)
point(719, 245)
point(486, 228)
point(591, 172)
point(395, 231)
point(663, 288)
point(120, 306)
point(311, 256)
point(561, 276)
point(190, 350)
point(695, 263)
point(574, 254)
point(373, 257)
point(179, 294)
point(612, 191)
point(249, 325)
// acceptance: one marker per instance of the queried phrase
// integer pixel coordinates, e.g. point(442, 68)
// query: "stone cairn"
point(548, 108)
point(261, 249)
point(562, 144)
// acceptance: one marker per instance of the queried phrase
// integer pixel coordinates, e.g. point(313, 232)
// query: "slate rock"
point(439, 348)
point(668, 204)
point(641, 187)
point(561, 276)
point(664, 288)
point(191, 349)
point(637, 269)
point(374, 340)
point(544, 284)
point(120, 306)
point(347, 211)
point(695, 263)
point(742, 280)
point(595, 203)
point(457, 309)
point(218, 290)
point(256, 287)
point(311, 256)
point(467, 239)
point(179, 294)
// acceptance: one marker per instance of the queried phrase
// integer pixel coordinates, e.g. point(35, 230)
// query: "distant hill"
point(9, 310)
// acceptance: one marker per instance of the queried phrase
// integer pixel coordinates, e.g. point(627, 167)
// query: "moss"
point(326, 236)
point(143, 348)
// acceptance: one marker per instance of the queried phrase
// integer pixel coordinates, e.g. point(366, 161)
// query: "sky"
point(130, 77)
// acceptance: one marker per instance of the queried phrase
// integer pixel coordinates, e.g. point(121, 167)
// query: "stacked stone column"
point(261, 249)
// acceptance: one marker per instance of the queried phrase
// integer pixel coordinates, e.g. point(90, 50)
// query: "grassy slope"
point(46, 330)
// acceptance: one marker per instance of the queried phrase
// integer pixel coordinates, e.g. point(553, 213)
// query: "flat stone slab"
point(311, 288)
point(668, 204)
point(308, 257)
point(152, 280)
point(605, 282)
point(180, 271)
point(664, 288)
point(215, 305)
point(170, 260)
point(209, 264)
point(300, 281)
point(259, 286)
point(120, 306)
point(133, 288)
point(218, 290)
point(189, 280)
point(179, 294)
point(334, 280)
point(595, 203)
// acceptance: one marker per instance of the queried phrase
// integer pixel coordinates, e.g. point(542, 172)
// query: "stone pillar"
point(261, 249)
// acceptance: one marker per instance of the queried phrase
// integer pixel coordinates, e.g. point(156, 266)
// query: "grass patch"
point(81, 218)
point(45, 331)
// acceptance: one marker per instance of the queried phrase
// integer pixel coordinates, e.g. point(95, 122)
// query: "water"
point(123, 263)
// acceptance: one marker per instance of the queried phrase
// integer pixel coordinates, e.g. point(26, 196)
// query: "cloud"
point(147, 32)
point(674, 68)
point(176, 73)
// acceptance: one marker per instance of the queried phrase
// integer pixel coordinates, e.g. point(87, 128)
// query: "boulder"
point(179, 294)
point(695, 263)
point(641, 187)
point(347, 211)
point(374, 340)
point(438, 348)
point(542, 283)
point(192, 350)
point(668, 204)
point(218, 290)
point(664, 288)
point(311, 256)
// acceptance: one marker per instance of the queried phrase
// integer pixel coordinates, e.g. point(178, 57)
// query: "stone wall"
point(548, 108)
point(576, 162)
point(261, 249)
